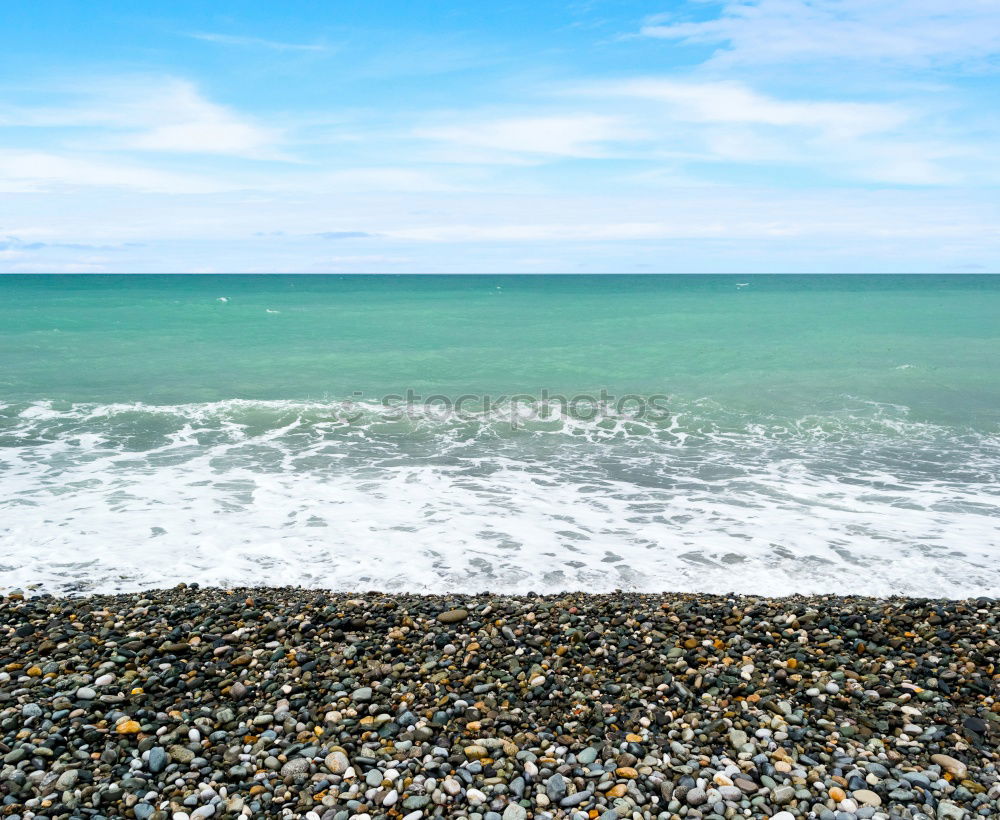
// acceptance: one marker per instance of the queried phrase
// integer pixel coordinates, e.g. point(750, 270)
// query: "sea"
point(759, 434)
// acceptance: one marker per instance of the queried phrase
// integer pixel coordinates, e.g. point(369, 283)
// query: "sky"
point(586, 136)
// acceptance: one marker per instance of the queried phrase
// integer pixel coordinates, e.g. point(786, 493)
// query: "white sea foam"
point(108, 497)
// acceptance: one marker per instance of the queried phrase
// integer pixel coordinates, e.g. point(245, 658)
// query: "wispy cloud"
point(256, 42)
point(180, 119)
point(31, 171)
point(13, 243)
point(578, 135)
point(728, 122)
point(344, 235)
point(165, 114)
point(905, 32)
point(664, 122)
point(684, 123)
point(702, 229)
point(733, 102)
point(362, 179)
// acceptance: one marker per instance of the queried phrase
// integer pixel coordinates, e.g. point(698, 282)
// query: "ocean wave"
point(861, 497)
point(680, 423)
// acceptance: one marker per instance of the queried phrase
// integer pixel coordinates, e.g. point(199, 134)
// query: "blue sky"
point(758, 135)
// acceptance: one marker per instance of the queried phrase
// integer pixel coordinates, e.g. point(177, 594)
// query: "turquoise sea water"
point(812, 432)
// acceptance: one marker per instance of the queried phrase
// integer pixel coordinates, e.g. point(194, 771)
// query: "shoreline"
point(290, 702)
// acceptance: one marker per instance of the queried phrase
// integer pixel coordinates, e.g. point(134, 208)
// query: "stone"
point(572, 800)
point(867, 797)
point(950, 765)
point(295, 767)
point(514, 811)
point(976, 725)
point(416, 801)
point(67, 780)
point(783, 795)
point(696, 797)
point(336, 762)
point(555, 788)
point(730, 794)
point(947, 810)
point(157, 760)
point(623, 705)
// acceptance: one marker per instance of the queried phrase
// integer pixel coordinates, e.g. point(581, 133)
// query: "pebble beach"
point(192, 703)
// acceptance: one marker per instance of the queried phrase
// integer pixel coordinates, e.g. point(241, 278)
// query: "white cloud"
point(382, 179)
point(25, 171)
point(579, 136)
point(687, 122)
point(905, 32)
point(179, 119)
point(722, 228)
point(731, 102)
point(713, 228)
point(369, 258)
point(258, 42)
point(727, 122)
point(549, 232)
point(151, 114)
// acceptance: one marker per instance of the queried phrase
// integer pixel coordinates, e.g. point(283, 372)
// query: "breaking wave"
point(860, 498)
